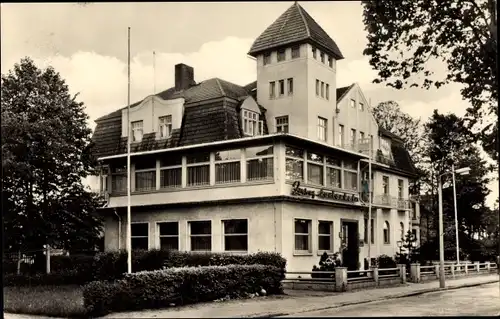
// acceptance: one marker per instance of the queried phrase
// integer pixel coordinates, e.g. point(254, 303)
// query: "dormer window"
point(267, 58)
point(165, 126)
point(385, 147)
point(330, 62)
point(295, 52)
point(281, 55)
point(251, 124)
point(314, 53)
point(137, 131)
point(322, 57)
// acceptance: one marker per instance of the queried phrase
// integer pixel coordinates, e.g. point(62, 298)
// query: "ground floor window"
point(169, 235)
point(325, 238)
point(387, 228)
point(139, 236)
point(302, 235)
point(200, 233)
point(235, 235)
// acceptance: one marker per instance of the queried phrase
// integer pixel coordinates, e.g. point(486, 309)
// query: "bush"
point(113, 265)
point(384, 261)
point(70, 277)
point(179, 286)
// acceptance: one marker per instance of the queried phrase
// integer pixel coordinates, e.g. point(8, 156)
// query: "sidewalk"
point(300, 301)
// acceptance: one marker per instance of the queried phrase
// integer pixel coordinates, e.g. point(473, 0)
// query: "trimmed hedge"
point(179, 286)
point(113, 265)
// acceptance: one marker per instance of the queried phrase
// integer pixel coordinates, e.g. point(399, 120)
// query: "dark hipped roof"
point(295, 26)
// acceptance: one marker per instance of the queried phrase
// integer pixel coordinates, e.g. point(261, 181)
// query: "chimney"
point(184, 77)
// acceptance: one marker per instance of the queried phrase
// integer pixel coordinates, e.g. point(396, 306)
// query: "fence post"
point(477, 266)
point(436, 270)
point(47, 252)
point(466, 267)
point(488, 266)
point(341, 279)
point(452, 270)
point(19, 262)
point(375, 275)
point(402, 272)
point(415, 273)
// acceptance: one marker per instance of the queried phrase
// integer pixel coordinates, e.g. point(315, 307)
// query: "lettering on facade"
point(323, 194)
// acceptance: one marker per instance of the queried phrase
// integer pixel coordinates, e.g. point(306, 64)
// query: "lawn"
point(55, 301)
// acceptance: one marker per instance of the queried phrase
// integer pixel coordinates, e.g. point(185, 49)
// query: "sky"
point(87, 44)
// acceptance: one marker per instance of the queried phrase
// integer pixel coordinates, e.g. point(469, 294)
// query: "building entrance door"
point(350, 254)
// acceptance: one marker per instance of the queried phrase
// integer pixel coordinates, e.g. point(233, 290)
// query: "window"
point(314, 168)
point(119, 178)
point(372, 231)
point(200, 235)
point(385, 146)
point(165, 126)
point(302, 235)
point(295, 52)
point(145, 174)
point(386, 232)
point(353, 137)
point(282, 124)
point(169, 235)
point(414, 233)
point(322, 129)
point(259, 163)
point(385, 184)
point(294, 163)
point(139, 236)
point(198, 169)
point(352, 103)
point(327, 91)
point(251, 124)
point(281, 87)
point(317, 87)
point(361, 106)
point(372, 236)
point(322, 89)
point(322, 57)
point(333, 172)
point(267, 58)
point(361, 137)
point(170, 171)
point(350, 176)
point(325, 236)
point(341, 135)
point(281, 55)
point(272, 89)
point(402, 230)
point(137, 131)
point(314, 52)
point(235, 235)
point(227, 166)
point(290, 86)
point(330, 62)
point(400, 188)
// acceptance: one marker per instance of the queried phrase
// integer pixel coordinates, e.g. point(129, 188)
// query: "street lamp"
point(461, 171)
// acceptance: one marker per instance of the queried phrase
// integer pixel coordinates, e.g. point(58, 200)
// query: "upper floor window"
point(259, 163)
point(400, 188)
point(227, 166)
point(330, 62)
point(327, 91)
point(290, 86)
point(402, 230)
point(272, 89)
point(198, 169)
point(352, 103)
point(322, 129)
point(170, 171)
point(281, 87)
point(314, 53)
point(295, 52)
point(282, 124)
point(322, 89)
point(281, 55)
point(385, 146)
point(267, 58)
point(361, 137)
point(317, 87)
point(145, 173)
point(315, 168)
point(322, 57)
point(294, 163)
point(251, 124)
point(341, 135)
point(385, 184)
point(361, 106)
point(165, 126)
point(137, 131)
point(353, 137)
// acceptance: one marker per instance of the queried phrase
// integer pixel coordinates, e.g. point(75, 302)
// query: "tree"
point(404, 35)
point(45, 156)
point(390, 117)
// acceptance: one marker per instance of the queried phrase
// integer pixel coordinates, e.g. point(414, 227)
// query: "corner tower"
point(296, 75)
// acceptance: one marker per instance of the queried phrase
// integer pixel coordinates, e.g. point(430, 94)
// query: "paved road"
point(473, 301)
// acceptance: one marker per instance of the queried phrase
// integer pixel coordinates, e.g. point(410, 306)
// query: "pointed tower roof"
point(295, 26)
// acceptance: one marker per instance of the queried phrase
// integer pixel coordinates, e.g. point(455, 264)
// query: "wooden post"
point(477, 266)
point(436, 270)
point(466, 266)
point(47, 253)
point(452, 270)
point(415, 273)
point(340, 279)
point(402, 272)
point(375, 275)
point(19, 262)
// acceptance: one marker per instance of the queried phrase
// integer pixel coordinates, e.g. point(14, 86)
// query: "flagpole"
point(370, 191)
point(129, 237)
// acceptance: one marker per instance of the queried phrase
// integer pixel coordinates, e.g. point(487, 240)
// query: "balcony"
point(385, 200)
point(384, 159)
point(403, 204)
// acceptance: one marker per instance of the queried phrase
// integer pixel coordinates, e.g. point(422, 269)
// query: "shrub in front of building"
point(179, 286)
point(326, 263)
point(112, 265)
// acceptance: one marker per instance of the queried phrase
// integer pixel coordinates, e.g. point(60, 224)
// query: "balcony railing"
point(384, 159)
point(403, 203)
point(390, 201)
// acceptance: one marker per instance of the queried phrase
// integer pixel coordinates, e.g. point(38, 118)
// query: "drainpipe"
point(119, 230)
